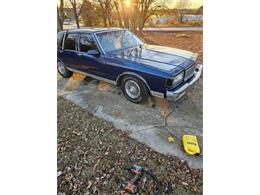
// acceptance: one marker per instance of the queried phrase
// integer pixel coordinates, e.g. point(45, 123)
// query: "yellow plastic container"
point(190, 144)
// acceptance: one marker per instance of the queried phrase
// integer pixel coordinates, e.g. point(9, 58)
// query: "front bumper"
point(178, 93)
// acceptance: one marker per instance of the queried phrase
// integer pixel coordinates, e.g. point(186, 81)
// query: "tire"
point(63, 71)
point(134, 89)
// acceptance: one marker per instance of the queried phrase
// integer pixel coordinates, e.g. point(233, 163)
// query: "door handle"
point(79, 54)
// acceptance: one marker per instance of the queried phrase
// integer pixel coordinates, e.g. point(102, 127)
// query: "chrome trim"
point(98, 43)
point(62, 62)
point(110, 30)
point(153, 93)
point(77, 41)
point(157, 94)
point(92, 35)
point(63, 41)
point(189, 72)
point(61, 67)
point(132, 89)
point(134, 74)
point(177, 94)
point(93, 76)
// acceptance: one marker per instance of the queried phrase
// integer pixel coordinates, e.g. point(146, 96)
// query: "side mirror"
point(93, 52)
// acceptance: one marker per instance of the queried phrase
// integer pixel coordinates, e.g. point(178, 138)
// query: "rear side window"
point(87, 43)
point(60, 39)
point(70, 42)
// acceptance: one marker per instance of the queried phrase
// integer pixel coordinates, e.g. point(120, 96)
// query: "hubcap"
point(61, 67)
point(132, 89)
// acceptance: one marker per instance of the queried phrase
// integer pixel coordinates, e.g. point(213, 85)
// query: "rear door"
point(69, 54)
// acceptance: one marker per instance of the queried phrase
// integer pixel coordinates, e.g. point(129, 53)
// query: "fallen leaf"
point(184, 183)
point(59, 173)
point(89, 184)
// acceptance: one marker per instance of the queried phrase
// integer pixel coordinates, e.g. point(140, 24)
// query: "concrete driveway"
point(150, 123)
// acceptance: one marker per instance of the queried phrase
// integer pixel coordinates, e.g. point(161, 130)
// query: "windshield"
point(115, 40)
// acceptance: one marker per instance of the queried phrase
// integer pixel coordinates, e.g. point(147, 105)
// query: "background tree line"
point(130, 14)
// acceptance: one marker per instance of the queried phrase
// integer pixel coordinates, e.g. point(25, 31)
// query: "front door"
point(94, 65)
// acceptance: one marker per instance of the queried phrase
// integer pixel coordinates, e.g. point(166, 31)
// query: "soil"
point(191, 41)
point(93, 157)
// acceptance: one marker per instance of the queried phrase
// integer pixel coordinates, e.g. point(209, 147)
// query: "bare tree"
point(87, 14)
point(137, 13)
point(129, 14)
point(124, 13)
point(59, 25)
point(74, 5)
point(119, 15)
point(77, 6)
point(104, 9)
point(182, 6)
point(147, 9)
point(60, 14)
point(200, 10)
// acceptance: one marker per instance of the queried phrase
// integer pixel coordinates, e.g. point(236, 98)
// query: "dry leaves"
point(93, 156)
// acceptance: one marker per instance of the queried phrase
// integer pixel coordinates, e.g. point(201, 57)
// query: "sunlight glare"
point(127, 3)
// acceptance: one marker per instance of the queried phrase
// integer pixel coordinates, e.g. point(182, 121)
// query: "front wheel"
point(64, 72)
point(134, 89)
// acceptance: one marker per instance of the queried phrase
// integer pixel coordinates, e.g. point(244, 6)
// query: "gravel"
point(93, 156)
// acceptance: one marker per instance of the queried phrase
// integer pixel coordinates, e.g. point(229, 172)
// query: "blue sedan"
point(119, 57)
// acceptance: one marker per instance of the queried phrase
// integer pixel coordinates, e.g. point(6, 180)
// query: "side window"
point(70, 42)
point(87, 43)
point(59, 39)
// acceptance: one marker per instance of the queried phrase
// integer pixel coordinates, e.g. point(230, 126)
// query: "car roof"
point(93, 30)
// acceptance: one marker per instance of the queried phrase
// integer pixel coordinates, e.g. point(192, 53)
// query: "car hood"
point(160, 57)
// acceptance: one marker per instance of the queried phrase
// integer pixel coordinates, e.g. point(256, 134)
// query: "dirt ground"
point(191, 41)
point(93, 155)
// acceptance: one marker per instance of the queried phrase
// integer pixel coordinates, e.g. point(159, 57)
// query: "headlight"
point(178, 78)
point(174, 80)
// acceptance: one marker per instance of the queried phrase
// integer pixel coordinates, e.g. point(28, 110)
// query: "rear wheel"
point(134, 89)
point(64, 72)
